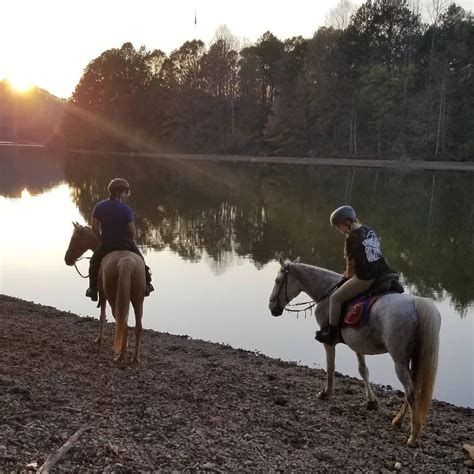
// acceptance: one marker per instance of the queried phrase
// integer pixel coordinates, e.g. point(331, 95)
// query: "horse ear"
point(296, 260)
point(280, 259)
point(75, 224)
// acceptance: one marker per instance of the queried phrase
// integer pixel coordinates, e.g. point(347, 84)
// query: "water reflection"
point(212, 230)
point(32, 168)
point(424, 218)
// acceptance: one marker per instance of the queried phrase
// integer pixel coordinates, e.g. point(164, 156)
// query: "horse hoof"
point(397, 423)
point(323, 395)
point(372, 405)
point(412, 443)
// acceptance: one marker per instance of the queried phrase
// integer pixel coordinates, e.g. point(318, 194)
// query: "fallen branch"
point(84, 411)
point(56, 456)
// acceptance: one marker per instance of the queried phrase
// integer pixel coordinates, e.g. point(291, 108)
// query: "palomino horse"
point(121, 282)
point(407, 327)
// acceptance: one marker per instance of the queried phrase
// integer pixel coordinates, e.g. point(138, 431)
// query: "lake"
point(210, 233)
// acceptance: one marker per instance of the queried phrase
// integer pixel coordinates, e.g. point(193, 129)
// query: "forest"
point(376, 82)
point(384, 85)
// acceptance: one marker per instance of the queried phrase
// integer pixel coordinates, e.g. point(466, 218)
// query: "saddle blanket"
point(357, 310)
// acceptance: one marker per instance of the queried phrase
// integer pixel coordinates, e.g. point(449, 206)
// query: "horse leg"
point(397, 422)
point(102, 319)
point(364, 373)
point(404, 375)
point(138, 309)
point(328, 390)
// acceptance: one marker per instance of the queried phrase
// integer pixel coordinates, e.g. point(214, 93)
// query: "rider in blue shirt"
point(112, 222)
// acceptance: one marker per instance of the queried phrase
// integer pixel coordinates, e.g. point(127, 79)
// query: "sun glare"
point(20, 85)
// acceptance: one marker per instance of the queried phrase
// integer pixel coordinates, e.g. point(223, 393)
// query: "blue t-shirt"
point(113, 216)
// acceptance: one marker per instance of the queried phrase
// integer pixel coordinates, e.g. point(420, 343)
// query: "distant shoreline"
point(347, 162)
point(405, 164)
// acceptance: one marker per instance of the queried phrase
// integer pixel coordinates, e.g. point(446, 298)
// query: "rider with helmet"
point(112, 222)
point(364, 264)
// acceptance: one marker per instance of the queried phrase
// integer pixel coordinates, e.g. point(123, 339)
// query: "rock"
point(470, 449)
point(398, 465)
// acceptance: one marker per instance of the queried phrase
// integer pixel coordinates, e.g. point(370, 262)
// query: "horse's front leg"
point(364, 373)
point(328, 390)
point(102, 319)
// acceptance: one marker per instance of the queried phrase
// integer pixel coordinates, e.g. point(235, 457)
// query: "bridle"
point(284, 281)
point(77, 269)
point(74, 237)
point(310, 304)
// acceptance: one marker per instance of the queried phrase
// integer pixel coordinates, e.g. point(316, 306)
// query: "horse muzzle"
point(275, 309)
point(70, 261)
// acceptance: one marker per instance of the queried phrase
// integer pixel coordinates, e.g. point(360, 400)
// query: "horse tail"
point(425, 360)
point(122, 304)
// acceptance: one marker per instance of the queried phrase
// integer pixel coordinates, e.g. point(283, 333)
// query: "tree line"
point(381, 84)
point(33, 117)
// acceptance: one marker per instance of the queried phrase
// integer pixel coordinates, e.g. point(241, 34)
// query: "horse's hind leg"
point(398, 420)
point(404, 375)
point(102, 319)
point(364, 373)
point(138, 309)
point(328, 390)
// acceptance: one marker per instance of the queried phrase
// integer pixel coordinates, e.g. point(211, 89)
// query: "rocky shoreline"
point(193, 406)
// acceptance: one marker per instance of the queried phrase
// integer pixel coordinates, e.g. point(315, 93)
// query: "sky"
point(48, 43)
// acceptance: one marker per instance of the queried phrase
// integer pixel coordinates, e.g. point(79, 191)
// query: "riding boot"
point(92, 294)
point(327, 335)
point(149, 287)
point(93, 277)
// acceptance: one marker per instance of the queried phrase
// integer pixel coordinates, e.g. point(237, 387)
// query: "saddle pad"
point(359, 310)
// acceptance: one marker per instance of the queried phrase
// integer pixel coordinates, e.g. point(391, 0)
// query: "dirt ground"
point(193, 406)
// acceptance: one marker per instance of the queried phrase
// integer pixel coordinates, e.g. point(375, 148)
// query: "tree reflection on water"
point(425, 219)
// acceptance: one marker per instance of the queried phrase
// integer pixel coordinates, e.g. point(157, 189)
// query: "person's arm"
point(349, 272)
point(349, 256)
point(132, 230)
point(95, 224)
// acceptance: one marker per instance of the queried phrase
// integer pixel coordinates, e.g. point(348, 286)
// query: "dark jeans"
point(102, 250)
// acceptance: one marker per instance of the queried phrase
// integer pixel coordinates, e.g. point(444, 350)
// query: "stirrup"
point(92, 294)
point(327, 335)
point(148, 289)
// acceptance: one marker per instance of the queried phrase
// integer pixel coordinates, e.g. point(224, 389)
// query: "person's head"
point(343, 218)
point(118, 188)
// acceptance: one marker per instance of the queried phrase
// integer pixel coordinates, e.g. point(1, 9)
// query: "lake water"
point(210, 232)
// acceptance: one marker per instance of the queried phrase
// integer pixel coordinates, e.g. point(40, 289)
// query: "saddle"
point(355, 312)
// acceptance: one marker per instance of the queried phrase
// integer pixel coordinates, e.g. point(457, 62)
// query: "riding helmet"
point(117, 185)
point(343, 214)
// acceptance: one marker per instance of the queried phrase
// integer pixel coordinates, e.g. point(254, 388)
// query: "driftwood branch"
point(85, 411)
point(56, 456)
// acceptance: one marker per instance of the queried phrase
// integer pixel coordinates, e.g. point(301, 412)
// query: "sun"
point(19, 84)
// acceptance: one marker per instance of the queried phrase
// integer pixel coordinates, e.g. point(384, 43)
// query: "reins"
point(310, 304)
point(77, 269)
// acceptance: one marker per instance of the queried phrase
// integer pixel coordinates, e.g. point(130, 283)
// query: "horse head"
point(286, 287)
point(83, 239)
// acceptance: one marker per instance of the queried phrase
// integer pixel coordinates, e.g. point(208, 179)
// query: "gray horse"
point(407, 327)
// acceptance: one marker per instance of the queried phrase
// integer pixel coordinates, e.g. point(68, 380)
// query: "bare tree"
point(339, 17)
point(434, 9)
point(224, 34)
point(415, 6)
